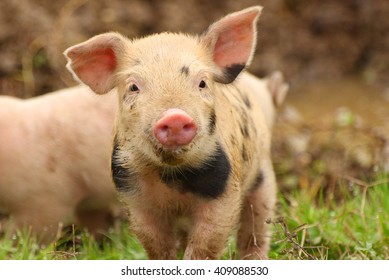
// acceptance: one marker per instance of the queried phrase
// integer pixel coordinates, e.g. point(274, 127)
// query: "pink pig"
point(54, 161)
point(191, 152)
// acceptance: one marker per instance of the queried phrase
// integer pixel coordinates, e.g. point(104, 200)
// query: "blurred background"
point(335, 55)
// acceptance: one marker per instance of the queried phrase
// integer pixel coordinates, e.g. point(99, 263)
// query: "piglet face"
point(166, 99)
point(167, 86)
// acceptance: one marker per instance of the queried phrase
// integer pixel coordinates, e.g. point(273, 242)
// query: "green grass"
point(77, 245)
point(352, 226)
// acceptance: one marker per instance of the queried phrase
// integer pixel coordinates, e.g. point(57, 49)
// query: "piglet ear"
point(232, 41)
point(95, 61)
point(277, 87)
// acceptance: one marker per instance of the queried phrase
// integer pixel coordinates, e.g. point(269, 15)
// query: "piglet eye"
point(202, 84)
point(134, 88)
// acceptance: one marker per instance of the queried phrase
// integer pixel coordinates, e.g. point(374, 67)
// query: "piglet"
point(191, 152)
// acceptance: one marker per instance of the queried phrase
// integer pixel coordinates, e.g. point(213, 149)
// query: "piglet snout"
point(175, 128)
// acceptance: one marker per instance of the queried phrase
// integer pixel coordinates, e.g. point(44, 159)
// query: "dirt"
point(307, 40)
point(332, 135)
point(329, 128)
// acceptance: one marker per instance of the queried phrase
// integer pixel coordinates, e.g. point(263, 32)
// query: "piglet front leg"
point(214, 221)
point(155, 233)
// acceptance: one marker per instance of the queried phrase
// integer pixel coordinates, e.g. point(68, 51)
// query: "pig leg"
point(254, 234)
point(156, 234)
point(214, 223)
point(97, 221)
point(45, 224)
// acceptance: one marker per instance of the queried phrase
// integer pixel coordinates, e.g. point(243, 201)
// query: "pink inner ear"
point(235, 40)
point(233, 47)
point(94, 68)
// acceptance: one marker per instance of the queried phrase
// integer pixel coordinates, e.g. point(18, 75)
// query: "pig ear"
point(94, 61)
point(232, 41)
point(277, 87)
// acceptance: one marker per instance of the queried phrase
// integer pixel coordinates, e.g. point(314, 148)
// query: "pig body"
point(191, 153)
point(54, 156)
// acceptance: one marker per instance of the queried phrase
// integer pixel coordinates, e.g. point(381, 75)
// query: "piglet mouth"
point(171, 156)
point(168, 156)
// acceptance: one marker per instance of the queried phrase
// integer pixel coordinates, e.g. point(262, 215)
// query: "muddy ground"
point(324, 136)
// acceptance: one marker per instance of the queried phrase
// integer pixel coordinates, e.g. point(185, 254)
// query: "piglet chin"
point(171, 156)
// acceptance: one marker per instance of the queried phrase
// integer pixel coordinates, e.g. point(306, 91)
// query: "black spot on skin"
point(258, 181)
point(230, 73)
point(212, 123)
point(244, 130)
point(246, 101)
point(122, 177)
point(245, 120)
point(244, 153)
point(136, 62)
point(185, 70)
point(208, 181)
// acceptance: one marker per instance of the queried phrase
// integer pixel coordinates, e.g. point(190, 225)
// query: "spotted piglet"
point(191, 153)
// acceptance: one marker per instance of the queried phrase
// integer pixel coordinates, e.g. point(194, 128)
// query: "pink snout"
point(175, 128)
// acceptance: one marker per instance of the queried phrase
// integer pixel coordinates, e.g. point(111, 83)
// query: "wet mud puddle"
point(340, 127)
point(321, 100)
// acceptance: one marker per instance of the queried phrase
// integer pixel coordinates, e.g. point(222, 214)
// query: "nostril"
point(164, 128)
point(188, 127)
